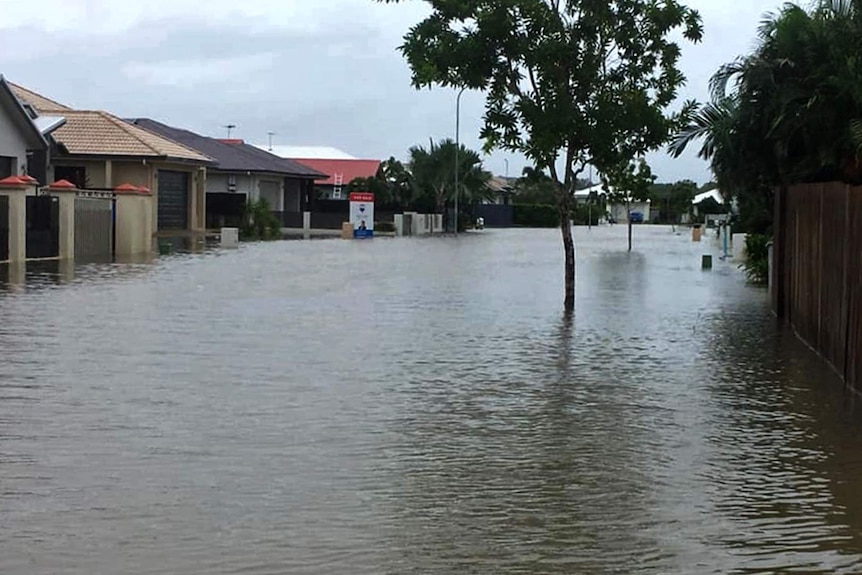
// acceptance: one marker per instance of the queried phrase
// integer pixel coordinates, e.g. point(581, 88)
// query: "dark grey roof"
point(231, 157)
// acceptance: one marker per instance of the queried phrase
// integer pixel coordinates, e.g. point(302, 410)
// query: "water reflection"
point(418, 406)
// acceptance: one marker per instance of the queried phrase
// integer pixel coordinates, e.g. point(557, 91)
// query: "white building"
point(619, 212)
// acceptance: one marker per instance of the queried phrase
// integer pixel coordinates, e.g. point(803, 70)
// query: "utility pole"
point(457, 151)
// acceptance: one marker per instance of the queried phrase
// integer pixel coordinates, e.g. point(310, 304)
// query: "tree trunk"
point(629, 214)
point(569, 250)
point(630, 232)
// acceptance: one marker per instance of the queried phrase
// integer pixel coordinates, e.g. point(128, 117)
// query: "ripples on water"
point(418, 406)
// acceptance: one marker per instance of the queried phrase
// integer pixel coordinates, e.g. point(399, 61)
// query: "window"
point(75, 174)
point(7, 167)
point(231, 182)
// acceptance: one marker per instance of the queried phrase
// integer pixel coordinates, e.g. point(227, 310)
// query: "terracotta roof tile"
point(346, 170)
point(99, 133)
point(42, 104)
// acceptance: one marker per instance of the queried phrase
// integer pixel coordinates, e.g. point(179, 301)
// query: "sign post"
point(362, 214)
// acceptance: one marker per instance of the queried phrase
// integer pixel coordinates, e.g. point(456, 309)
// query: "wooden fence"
point(819, 271)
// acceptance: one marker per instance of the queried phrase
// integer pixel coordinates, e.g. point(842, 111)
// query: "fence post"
point(306, 225)
point(133, 228)
point(66, 191)
point(15, 189)
point(779, 256)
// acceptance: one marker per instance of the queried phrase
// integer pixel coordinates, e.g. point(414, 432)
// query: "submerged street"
point(419, 406)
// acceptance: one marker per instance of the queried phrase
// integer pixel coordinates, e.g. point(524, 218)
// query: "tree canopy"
point(568, 83)
point(427, 181)
point(790, 111)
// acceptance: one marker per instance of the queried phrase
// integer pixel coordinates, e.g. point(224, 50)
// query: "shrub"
point(384, 227)
point(582, 214)
point(259, 223)
point(536, 216)
point(756, 265)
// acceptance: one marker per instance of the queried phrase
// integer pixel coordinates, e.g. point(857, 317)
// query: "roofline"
point(23, 113)
point(127, 158)
point(59, 105)
point(217, 170)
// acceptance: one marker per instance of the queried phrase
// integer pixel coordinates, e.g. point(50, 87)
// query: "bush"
point(582, 214)
point(384, 227)
point(756, 265)
point(259, 223)
point(536, 216)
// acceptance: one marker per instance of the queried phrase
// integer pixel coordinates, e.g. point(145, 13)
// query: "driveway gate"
point(94, 226)
point(4, 228)
point(43, 227)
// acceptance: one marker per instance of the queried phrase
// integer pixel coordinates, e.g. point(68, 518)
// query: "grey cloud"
point(342, 85)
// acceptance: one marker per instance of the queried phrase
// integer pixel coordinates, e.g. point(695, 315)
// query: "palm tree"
point(433, 174)
point(791, 111)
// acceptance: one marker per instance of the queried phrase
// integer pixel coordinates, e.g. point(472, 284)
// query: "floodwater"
point(419, 406)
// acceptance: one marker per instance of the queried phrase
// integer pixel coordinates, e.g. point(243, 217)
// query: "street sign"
point(362, 214)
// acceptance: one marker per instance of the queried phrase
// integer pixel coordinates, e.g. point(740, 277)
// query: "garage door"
point(173, 200)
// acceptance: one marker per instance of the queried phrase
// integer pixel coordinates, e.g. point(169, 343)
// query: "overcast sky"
point(321, 72)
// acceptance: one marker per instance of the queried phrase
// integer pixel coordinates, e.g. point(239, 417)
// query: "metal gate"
point(173, 200)
point(4, 228)
point(94, 227)
point(43, 227)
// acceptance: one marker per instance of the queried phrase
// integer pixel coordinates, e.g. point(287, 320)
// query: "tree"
point(673, 200)
point(433, 174)
point(566, 81)
point(392, 185)
point(628, 182)
point(791, 111)
point(535, 187)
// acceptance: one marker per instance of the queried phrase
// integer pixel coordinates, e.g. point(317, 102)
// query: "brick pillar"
point(15, 189)
point(134, 221)
point(66, 192)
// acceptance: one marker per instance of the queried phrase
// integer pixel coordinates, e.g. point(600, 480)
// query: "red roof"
point(349, 170)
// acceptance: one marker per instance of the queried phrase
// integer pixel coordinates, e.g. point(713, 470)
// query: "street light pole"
point(457, 152)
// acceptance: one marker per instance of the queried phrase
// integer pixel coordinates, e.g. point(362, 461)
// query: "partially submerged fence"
point(94, 224)
point(819, 271)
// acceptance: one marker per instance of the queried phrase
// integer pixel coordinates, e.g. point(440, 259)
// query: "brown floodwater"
point(419, 406)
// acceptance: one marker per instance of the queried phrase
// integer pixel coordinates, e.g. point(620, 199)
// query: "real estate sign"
point(362, 214)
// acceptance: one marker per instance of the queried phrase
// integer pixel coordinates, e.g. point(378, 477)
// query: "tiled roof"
point(42, 104)
point(231, 155)
point(348, 170)
point(20, 118)
point(500, 185)
point(97, 133)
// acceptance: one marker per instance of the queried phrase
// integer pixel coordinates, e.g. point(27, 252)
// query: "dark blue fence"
point(495, 215)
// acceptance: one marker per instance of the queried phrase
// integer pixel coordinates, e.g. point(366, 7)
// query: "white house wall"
point(218, 183)
point(621, 214)
point(12, 144)
point(272, 190)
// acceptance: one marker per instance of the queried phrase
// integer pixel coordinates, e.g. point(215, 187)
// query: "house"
point(502, 191)
point(97, 150)
point(340, 173)
point(618, 211)
point(717, 198)
point(23, 141)
point(245, 172)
